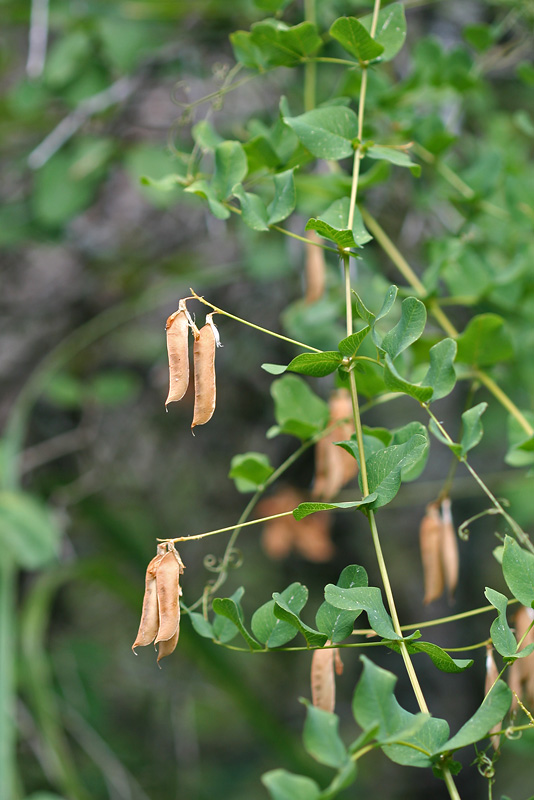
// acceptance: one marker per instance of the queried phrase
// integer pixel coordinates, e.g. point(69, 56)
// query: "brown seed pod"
point(525, 666)
point(204, 364)
point(178, 351)
point(149, 624)
point(315, 269)
point(449, 549)
point(323, 682)
point(334, 467)
point(430, 533)
point(492, 673)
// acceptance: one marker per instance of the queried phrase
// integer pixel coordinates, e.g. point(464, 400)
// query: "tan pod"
point(334, 467)
point(148, 627)
point(323, 682)
point(449, 549)
point(204, 364)
point(315, 269)
point(430, 534)
point(177, 328)
point(492, 673)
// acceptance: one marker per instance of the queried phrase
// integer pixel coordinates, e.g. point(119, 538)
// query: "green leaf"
point(270, 630)
point(201, 625)
point(27, 530)
point(224, 629)
point(230, 168)
point(390, 29)
point(396, 383)
point(274, 369)
point(316, 364)
point(408, 329)
point(472, 430)
point(394, 156)
point(441, 659)
point(321, 737)
point(283, 611)
point(336, 623)
point(349, 347)
point(362, 311)
point(283, 785)
point(250, 471)
point(304, 509)
point(332, 224)
point(226, 607)
point(384, 467)
point(374, 702)
point(205, 136)
point(491, 712)
point(298, 410)
point(203, 189)
point(368, 599)
point(403, 434)
point(441, 375)
point(343, 779)
point(518, 571)
point(501, 634)
point(326, 132)
point(387, 304)
point(355, 39)
point(260, 154)
point(285, 197)
point(253, 211)
point(272, 43)
point(485, 341)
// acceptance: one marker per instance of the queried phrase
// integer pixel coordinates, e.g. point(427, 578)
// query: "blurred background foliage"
point(93, 261)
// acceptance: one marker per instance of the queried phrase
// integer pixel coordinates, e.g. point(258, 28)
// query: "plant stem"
point(439, 315)
point(302, 238)
point(252, 325)
point(225, 530)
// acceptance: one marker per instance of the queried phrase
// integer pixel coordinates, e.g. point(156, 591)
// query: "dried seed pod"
point(449, 549)
point(323, 682)
point(334, 467)
point(177, 327)
point(525, 666)
point(492, 673)
point(430, 533)
point(148, 627)
point(204, 363)
point(315, 269)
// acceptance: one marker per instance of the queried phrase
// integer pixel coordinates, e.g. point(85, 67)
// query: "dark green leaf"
point(224, 628)
point(283, 785)
point(230, 168)
point(368, 599)
point(349, 347)
point(388, 302)
point(249, 471)
point(384, 467)
point(409, 328)
point(332, 224)
point(394, 156)
point(253, 211)
point(298, 410)
point(518, 571)
point(441, 376)
point(304, 509)
point(491, 712)
point(285, 197)
point(278, 45)
point(226, 607)
point(502, 637)
point(402, 435)
point(27, 530)
point(472, 430)
point(362, 311)
point(336, 623)
point(321, 737)
point(283, 611)
point(485, 341)
point(396, 383)
point(201, 625)
point(442, 660)
point(316, 364)
point(270, 630)
point(355, 39)
point(390, 29)
point(326, 132)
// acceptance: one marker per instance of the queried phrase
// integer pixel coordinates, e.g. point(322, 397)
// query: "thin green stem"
point(449, 783)
point(225, 530)
point(303, 239)
point(252, 324)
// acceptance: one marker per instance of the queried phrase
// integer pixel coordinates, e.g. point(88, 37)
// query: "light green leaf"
point(230, 168)
point(368, 599)
point(332, 224)
point(28, 531)
point(272, 43)
point(335, 622)
point(226, 607)
point(349, 347)
point(390, 30)
point(396, 383)
point(387, 304)
point(283, 785)
point(384, 467)
point(321, 737)
point(203, 189)
point(485, 341)
point(250, 471)
point(260, 154)
point(285, 197)
point(408, 329)
point(316, 364)
point(253, 211)
point(472, 430)
point(402, 435)
point(270, 630)
point(274, 369)
point(224, 629)
point(362, 311)
point(205, 136)
point(304, 509)
point(491, 712)
point(518, 571)
point(394, 156)
point(441, 375)
point(201, 625)
point(344, 778)
point(501, 634)
point(326, 132)
point(283, 611)
point(355, 39)
point(298, 410)
point(374, 702)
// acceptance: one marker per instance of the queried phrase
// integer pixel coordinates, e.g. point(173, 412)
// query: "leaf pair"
point(206, 340)
point(439, 551)
point(160, 617)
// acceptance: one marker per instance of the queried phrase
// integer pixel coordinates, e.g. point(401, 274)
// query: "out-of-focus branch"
point(38, 38)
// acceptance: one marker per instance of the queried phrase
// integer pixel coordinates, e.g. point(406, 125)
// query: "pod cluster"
point(439, 551)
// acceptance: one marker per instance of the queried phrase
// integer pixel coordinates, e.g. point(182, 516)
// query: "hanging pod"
point(449, 549)
point(204, 366)
point(430, 534)
point(334, 467)
point(325, 661)
point(178, 352)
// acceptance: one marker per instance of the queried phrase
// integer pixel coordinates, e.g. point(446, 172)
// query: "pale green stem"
point(225, 530)
point(303, 239)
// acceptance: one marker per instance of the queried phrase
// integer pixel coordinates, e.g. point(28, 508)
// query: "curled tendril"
point(180, 86)
point(485, 766)
point(220, 71)
point(511, 734)
point(234, 558)
point(212, 563)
